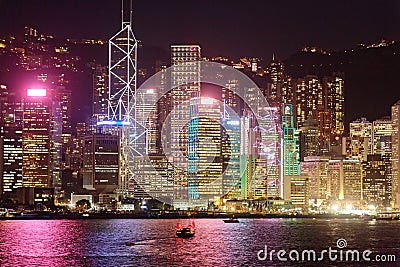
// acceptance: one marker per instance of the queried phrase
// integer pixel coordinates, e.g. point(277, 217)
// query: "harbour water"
point(152, 242)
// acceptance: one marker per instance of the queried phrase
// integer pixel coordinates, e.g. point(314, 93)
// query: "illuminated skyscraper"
point(345, 180)
point(36, 139)
point(376, 184)
point(121, 111)
point(204, 150)
point(122, 73)
point(308, 97)
point(247, 155)
point(309, 138)
point(185, 84)
point(316, 169)
point(382, 136)
point(324, 99)
point(334, 101)
point(101, 162)
point(230, 98)
point(290, 152)
point(360, 143)
point(277, 75)
point(100, 96)
point(10, 143)
point(230, 151)
point(396, 153)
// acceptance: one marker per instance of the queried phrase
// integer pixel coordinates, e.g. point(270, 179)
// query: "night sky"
point(229, 28)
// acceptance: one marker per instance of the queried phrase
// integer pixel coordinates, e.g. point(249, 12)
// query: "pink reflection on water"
point(47, 243)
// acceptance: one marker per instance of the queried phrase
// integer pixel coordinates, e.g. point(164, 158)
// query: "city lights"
point(206, 101)
point(36, 92)
point(124, 120)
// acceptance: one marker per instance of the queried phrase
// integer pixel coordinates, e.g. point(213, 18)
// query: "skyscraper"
point(309, 138)
point(100, 96)
point(185, 85)
point(316, 169)
point(396, 153)
point(345, 180)
point(101, 162)
point(360, 143)
point(10, 143)
point(290, 152)
point(376, 183)
point(36, 139)
point(204, 150)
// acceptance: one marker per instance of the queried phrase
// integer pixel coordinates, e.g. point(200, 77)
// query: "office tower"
point(229, 97)
point(290, 152)
point(377, 188)
point(101, 162)
point(296, 189)
point(185, 84)
point(396, 153)
point(247, 155)
point(309, 138)
point(146, 114)
point(345, 179)
point(230, 152)
point(276, 70)
point(60, 101)
point(272, 151)
point(60, 127)
point(121, 110)
point(316, 169)
point(100, 96)
point(204, 150)
point(36, 139)
point(382, 136)
point(360, 142)
point(122, 73)
point(163, 105)
point(10, 143)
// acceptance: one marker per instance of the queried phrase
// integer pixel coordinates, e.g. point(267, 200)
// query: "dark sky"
point(221, 27)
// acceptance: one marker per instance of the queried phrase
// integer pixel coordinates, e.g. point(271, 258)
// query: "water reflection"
point(153, 242)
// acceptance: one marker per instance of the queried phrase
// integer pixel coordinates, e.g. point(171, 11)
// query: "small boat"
point(231, 220)
point(185, 232)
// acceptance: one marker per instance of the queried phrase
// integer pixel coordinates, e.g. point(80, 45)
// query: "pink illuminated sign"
point(36, 92)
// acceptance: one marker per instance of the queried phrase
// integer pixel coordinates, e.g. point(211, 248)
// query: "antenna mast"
point(131, 15)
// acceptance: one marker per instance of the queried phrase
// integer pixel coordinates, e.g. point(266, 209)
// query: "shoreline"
point(176, 215)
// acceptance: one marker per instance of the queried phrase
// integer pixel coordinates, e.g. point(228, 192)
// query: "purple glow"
point(36, 92)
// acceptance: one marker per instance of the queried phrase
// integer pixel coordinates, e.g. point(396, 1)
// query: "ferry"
point(185, 232)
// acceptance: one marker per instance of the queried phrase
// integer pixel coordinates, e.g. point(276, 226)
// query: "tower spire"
point(131, 14)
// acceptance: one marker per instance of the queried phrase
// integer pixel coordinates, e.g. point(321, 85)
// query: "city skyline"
point(215, 130)
point(296, 101)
